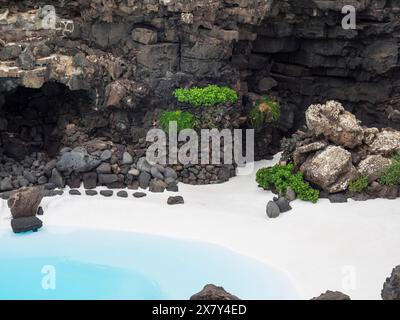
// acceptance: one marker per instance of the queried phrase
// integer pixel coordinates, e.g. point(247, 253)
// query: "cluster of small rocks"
point(33, 170)
point(280, 204)
point(110, 167)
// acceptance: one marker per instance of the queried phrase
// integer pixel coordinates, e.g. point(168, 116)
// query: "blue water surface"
point(97, 264)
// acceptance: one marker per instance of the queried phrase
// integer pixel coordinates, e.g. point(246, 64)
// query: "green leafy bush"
point(391, 175)
point(184, 120)
point(260, 112)
point(209, 96)
point(281, 177)
point(358, 185)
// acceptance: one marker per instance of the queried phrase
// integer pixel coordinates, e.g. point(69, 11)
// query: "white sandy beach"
point(347, 247)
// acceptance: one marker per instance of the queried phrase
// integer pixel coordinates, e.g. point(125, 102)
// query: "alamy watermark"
point(349, 21)
point(188, 147)
point(49, 280)
point(50, 20)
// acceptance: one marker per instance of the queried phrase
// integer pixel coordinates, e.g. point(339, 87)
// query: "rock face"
point(333, 122)
point(106, 69)
point(391, 288)
point(26, 224)
point(25, 202)
point(332, 295)
point(337, 150)
point(213, 293)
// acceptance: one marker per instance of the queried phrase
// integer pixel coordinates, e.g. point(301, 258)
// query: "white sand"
point(347, 247)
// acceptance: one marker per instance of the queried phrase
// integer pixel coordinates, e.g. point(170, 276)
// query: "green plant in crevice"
point(358, 185)
point(280, 177)
point(184, 120)
point(391, 175)
point(265, 108)
point(208, 96)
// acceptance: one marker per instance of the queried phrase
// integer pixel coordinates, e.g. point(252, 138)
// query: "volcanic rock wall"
point(130, 54)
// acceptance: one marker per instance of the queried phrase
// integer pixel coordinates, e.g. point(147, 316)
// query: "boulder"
point(391, 287)
point(213, 293)
point(25, 202)
point(333, 122)
point(386, 143)
point(156, 173)
point(373, 166)
point(331, 169)
point(78, 161)
point(26, 224)
point(332, 295)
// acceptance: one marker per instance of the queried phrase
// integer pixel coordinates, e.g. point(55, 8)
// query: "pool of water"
point(89, 264)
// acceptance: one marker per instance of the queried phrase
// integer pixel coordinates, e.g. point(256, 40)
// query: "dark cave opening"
point(35, 120)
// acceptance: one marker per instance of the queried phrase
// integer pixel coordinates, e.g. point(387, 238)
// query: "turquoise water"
point(86, 264)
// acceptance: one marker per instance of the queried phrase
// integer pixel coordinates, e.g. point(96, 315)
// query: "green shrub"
point(184, 120)
point(260, 112)
point(391, 175)
point(358, 185)
point(281, 177)
point(209, 96)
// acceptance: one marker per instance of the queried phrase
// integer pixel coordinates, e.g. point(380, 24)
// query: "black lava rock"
point(122, 194)
point(91, 193)
point(106, 193)
point(175, 200)
point(26, 224)
point(139, 194)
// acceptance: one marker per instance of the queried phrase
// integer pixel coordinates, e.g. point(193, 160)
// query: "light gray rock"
point(127, 159)
point(56, 179)
point(143, 165)
point(332, 121)
point(273, 210)
point(170, 173)
point(106, 155)
point(134, 172)
point(156, 173)
point(77, 161)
